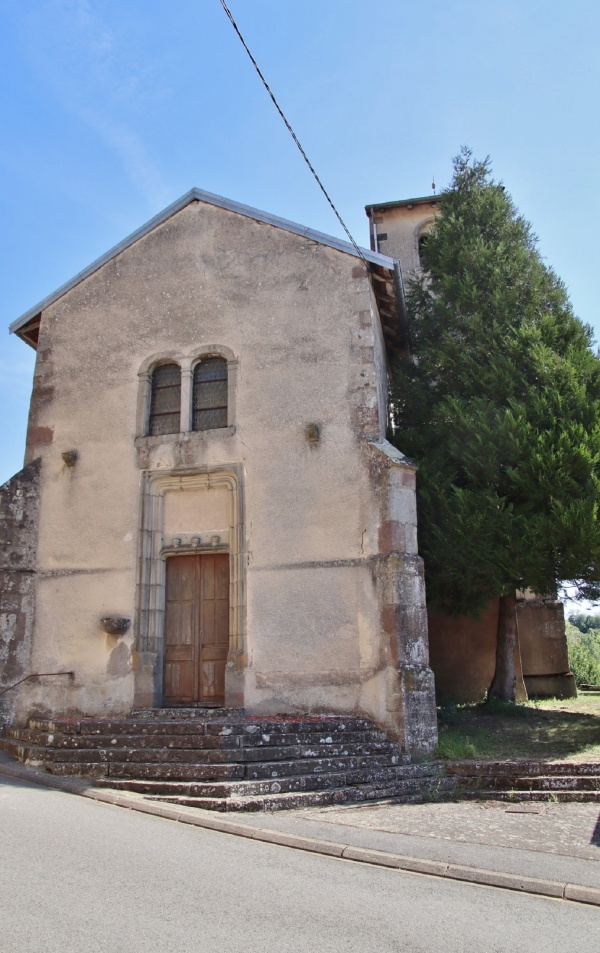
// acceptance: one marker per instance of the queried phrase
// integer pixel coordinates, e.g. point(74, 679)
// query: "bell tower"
point(398, 229)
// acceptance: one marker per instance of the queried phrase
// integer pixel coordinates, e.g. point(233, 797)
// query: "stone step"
point(10, 747)
point(58, 739)
point(409, 790)
point(584, 797)
point(476, 769)
point(194, 741)
point(273, 802)
point(172, 720)
point(227, 789)
point(160, 763)
point(113, 726)
point(285, 769)
point(181, 771)
point(38, 754)
point(265, 755)
point(357, 769)
point(322, 722)
point(303, 725)
point(323, 739)
point(538, 783)
point(122, 770)
point(180, 713)
point(135, 756)
point(225, 757)
point(176, 770)
point(174, 726)
point(314, 750)
point(301, 782)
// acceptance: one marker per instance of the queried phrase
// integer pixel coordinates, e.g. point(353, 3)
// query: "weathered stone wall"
point(544, 651)
point(409, 694)
point(19, 501)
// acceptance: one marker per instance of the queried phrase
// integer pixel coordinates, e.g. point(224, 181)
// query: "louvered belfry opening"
point(210, 394)
point(165, 407)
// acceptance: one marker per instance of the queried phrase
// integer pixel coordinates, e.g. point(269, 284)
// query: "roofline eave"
point(404, 203)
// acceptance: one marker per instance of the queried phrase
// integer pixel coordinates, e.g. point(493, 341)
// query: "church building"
point(210, 514)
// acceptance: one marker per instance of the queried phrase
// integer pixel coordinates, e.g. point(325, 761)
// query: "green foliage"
point(584, 653)
point(499, 404)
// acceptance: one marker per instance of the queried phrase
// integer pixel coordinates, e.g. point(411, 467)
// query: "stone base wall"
point(463, 652)
point(18, 538)
point(544, 651)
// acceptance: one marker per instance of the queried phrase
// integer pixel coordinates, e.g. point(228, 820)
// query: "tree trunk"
point(504, 682)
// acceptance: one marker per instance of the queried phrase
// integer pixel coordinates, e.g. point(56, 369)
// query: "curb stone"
point(582, 894)
point(379, 858)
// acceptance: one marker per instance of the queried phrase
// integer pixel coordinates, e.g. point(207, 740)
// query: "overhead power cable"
point(292, 133)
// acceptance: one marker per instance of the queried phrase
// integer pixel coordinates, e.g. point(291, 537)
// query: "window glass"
point(210, 394)
point(165, 407)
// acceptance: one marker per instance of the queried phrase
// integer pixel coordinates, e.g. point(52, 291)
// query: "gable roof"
point(198, 195)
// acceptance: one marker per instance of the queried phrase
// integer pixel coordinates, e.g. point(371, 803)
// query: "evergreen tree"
point(499, 404)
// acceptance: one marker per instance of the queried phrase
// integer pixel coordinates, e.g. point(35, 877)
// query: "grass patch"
point(543, 730)
point(454, 747)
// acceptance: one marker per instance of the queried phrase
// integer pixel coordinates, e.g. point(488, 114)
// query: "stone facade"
point(18, 538)
point(313, 508)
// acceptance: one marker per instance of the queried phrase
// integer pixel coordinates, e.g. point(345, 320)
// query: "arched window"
point(165, 404)
point(210, 394)
point(423, 239)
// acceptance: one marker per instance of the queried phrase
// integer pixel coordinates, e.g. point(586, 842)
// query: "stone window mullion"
point(186, 396)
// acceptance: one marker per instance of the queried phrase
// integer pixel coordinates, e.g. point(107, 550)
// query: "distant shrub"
point(584, 653)
point(585, 623)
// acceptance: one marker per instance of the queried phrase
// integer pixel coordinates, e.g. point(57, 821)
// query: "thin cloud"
point(95, 75)
point(137, 163)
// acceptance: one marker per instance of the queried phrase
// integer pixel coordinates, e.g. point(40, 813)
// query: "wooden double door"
point(196, 629)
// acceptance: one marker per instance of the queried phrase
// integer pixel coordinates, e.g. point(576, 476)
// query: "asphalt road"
point(78, 876)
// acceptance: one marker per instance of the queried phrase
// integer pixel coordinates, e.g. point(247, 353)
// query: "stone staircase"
point(225, 761)
point(526, 780)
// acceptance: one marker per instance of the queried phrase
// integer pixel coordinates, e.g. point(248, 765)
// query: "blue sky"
point(111, 109)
